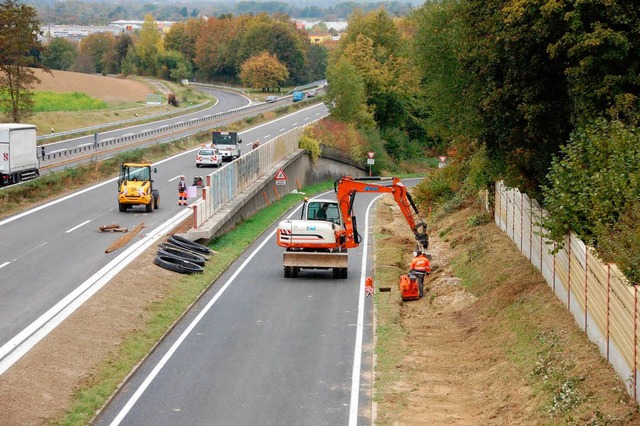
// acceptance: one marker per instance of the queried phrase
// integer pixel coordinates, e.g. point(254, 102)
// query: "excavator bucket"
point(303, 259)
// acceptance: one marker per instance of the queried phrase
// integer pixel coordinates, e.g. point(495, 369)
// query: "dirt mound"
point(109, 89)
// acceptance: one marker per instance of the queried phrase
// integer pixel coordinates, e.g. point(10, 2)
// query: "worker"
point(420, 267)
point(255, 145)
point(182, 192)
point(322, 213)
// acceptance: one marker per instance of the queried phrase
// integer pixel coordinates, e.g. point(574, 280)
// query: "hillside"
point(109, 89)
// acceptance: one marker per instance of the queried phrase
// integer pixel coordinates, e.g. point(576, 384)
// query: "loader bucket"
point(314, 260)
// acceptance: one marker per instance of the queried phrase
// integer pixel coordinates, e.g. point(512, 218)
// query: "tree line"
point(261, 51)
point(75, 12)
point(214, 49)
point(541, 94)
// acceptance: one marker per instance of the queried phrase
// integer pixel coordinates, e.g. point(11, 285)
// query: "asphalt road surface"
point(261, 349)
point(52, 257)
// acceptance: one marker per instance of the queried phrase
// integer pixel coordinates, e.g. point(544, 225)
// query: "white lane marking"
point(77, 226)
point(75, 194)
point(295, 124)
point(266, 137)
point(85, 144)
point(174, 178)
point(156, 370)
point(357, 352)
point(19, 345)
point(56, 151)
point(283, 129)
point(4, 264)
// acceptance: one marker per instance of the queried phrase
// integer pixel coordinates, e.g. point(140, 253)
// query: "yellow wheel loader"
point(135, 187)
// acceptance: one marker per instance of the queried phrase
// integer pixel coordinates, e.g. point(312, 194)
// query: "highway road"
point(261, 349)
point(226, 101)
point(52, 257)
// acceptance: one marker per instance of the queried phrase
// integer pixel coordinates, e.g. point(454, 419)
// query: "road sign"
point(371, 155)
point(371, 161)
point(281, 178)
point(442, 158)
point(280, 175)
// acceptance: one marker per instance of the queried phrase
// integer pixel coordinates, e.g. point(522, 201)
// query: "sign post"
point(370, 160)
point(443, 161)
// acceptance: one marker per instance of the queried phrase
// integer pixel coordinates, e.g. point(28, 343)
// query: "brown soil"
point(475, 350)
point(457, 363)
point(109, 89)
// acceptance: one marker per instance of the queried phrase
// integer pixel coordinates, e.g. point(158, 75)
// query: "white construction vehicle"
point(320, 241)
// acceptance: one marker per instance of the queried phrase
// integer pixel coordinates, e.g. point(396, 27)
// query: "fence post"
point(521, 219)
point(635, 343)
point(586, 285)
point(541, 239)
point(569, 276)
point(608, 304)
point(554, 268)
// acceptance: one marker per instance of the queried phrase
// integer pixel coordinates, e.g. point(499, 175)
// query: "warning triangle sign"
point(280, 175)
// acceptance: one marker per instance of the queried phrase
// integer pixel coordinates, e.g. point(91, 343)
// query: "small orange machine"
point(409, 287)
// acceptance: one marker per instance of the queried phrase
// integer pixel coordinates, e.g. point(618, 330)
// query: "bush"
point(173, 100)
point(593, 182)
point(311, 145)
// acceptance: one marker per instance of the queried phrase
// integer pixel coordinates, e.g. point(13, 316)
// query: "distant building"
point(319, 38)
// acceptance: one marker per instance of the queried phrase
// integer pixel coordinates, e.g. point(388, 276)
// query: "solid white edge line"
point(77, 226)
point(156, 370)
point(20, 344)
point(4, 264)
point(357, 352)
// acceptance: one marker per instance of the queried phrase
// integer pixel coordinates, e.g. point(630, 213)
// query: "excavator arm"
point(346, 189)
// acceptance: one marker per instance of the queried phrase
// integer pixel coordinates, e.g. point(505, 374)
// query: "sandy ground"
point(109, 89)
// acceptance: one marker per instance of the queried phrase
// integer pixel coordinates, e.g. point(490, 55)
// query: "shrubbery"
point(594, 191)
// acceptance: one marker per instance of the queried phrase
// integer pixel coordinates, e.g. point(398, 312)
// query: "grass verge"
point(164, 313)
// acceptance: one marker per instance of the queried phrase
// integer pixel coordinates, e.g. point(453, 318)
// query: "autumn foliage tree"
point(19, 50)
point(263, 71)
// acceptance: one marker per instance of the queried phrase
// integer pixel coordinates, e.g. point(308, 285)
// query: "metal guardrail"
point(66, 155)
point(115, 123)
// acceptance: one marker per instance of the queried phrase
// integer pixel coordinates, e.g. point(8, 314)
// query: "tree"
point(601, 46)
point(263, 71)
point(447, 103)
point(19, 48)
point(346, 95)
point(317, 62)
point(524, 105)
point(60, 54)
point(265, 34)
point(98, 47)
point(149, 46)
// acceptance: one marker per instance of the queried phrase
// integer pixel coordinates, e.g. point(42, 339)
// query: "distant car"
point(311, 93)
point(271, 99)
point(208, 157)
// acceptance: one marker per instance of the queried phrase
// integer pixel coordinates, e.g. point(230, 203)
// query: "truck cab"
point(228, 143)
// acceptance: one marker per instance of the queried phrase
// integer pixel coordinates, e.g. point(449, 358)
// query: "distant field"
point(108, 89)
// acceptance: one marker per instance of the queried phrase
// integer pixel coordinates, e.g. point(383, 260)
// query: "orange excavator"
point(327, 228)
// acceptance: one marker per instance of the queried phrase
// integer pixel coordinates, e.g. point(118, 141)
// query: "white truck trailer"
point(18, 153)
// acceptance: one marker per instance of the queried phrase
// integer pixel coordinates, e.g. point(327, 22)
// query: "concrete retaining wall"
point(299, 171)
